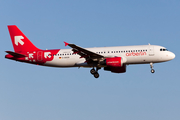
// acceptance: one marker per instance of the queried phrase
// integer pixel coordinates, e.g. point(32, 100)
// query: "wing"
point(84, 53)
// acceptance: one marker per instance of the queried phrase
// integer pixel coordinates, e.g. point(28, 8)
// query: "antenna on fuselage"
point(149, 44)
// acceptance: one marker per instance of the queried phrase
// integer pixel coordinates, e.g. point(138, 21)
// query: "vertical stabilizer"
point(20, 42)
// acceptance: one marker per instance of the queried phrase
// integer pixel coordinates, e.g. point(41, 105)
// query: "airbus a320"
point(114, 59)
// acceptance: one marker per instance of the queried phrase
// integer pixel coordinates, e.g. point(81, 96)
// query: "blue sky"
point(42, 93)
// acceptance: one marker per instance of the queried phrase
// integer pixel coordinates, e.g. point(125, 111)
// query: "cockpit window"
point(163, 49)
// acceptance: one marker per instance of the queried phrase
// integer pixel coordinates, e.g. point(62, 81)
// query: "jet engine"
point(115, 64)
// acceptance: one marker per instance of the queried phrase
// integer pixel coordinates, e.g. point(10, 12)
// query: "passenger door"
point(151, 50)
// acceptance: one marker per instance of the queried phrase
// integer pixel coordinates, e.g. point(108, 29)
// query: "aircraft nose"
point(172, 55)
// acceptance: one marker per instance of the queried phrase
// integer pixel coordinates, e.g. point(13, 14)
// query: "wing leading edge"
point(84, 53)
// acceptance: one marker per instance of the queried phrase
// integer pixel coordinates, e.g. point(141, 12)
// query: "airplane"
point(114, 59)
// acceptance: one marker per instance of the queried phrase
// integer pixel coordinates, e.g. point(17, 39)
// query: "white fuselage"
point(141, 54)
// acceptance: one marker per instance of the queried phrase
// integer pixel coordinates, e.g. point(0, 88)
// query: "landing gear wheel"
point(93, 71)
point(152, 71)
point(96, 75)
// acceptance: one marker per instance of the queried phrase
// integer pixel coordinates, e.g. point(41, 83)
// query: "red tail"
point(20, 42)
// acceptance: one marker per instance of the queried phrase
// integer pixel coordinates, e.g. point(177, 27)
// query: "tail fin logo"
point(18, 39)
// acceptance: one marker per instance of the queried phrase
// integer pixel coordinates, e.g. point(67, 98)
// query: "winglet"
point(66, 43)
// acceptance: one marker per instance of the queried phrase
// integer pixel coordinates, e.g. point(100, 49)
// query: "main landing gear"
point(95, 72)
point(152, 70)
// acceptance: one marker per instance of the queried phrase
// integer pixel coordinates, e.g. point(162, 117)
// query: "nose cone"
point(171, 56)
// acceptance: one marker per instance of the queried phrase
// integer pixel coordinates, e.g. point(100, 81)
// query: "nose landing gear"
point(95, 72)
point(152, 70)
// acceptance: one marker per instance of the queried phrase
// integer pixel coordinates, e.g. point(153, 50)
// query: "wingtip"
point(66, 43)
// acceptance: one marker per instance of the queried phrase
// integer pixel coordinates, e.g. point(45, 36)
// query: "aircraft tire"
point(93, 71)
point(152, 70)
point(96, 75)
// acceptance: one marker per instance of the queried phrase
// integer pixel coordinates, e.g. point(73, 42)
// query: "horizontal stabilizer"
point(15, 54)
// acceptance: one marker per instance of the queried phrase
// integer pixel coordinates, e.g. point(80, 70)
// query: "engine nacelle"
point(116, 69)
point(114, 62)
